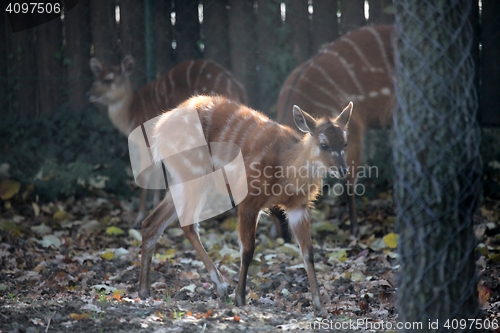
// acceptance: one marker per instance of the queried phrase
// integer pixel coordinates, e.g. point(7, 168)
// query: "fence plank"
point(4, 83)
point(381, 12)
point(104, 31)
point(490, 73)
point(298, 17)
point(132, 37)
point(187, 29)
point(268, 22)
point(163, 30)
point(353, 15)
point(78, 76)
point(243, 48)
point(23, 78)
point(324, 23)
point(215, 29)
point(49, 67)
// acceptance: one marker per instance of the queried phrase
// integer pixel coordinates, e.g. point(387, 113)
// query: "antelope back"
point(357, 67)
point(271, 153)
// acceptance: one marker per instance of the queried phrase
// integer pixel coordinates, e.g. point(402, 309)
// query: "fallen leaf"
point(9, 188)
point(253, 295)
point(49, 240)
point(114, 231)
point(81, 316)
point(391, 239)
point(37, 321)
point(36, 208)
point(108, 255)
point(135, 234)
point(190, 288)
point(61, 215)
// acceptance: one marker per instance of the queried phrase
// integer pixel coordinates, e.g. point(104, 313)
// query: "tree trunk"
point(437, 162)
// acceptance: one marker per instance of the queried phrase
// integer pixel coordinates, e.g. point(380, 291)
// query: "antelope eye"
point(345, 146)
point(323, 146)
point(108, 81)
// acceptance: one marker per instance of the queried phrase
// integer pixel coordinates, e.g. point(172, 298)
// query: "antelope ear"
point(95, 66)
point(128, 64)
point(303, 120)
point(345, 116)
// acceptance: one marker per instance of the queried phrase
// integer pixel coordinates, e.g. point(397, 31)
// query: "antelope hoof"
point(322, 312)
point(222, 290)
point(239, 301)
point(143, 294)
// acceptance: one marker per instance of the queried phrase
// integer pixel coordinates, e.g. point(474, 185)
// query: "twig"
point(50, 319)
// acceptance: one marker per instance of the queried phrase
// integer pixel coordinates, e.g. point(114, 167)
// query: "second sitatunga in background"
point(356, 67)
point(127, 109)
point(279, 168)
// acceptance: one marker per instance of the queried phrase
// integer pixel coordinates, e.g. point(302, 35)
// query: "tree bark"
point(437, 162)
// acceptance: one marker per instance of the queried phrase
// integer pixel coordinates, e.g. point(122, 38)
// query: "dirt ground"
point(73, 266)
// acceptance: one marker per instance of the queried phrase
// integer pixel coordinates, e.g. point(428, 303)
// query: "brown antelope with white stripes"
point(280, 167)
point(357, 67)
point(128, 109)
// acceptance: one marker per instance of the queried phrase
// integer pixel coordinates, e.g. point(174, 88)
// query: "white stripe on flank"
point(172, 85)
point(358, 51)
point(200, 72)
point(349, 70)
point(188, 73)
point(382, 48)
point(229, 125)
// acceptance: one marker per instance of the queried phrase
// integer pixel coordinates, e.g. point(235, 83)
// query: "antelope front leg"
point(300, 224)
point(246, 230)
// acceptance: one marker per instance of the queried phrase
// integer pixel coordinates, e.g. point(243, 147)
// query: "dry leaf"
point(81, 316)
point(8, 189)
point(391, 239)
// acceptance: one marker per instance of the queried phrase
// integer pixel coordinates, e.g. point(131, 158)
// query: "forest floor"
point(73, 266)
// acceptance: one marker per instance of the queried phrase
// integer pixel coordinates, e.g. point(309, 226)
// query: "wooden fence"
point(45, 69)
